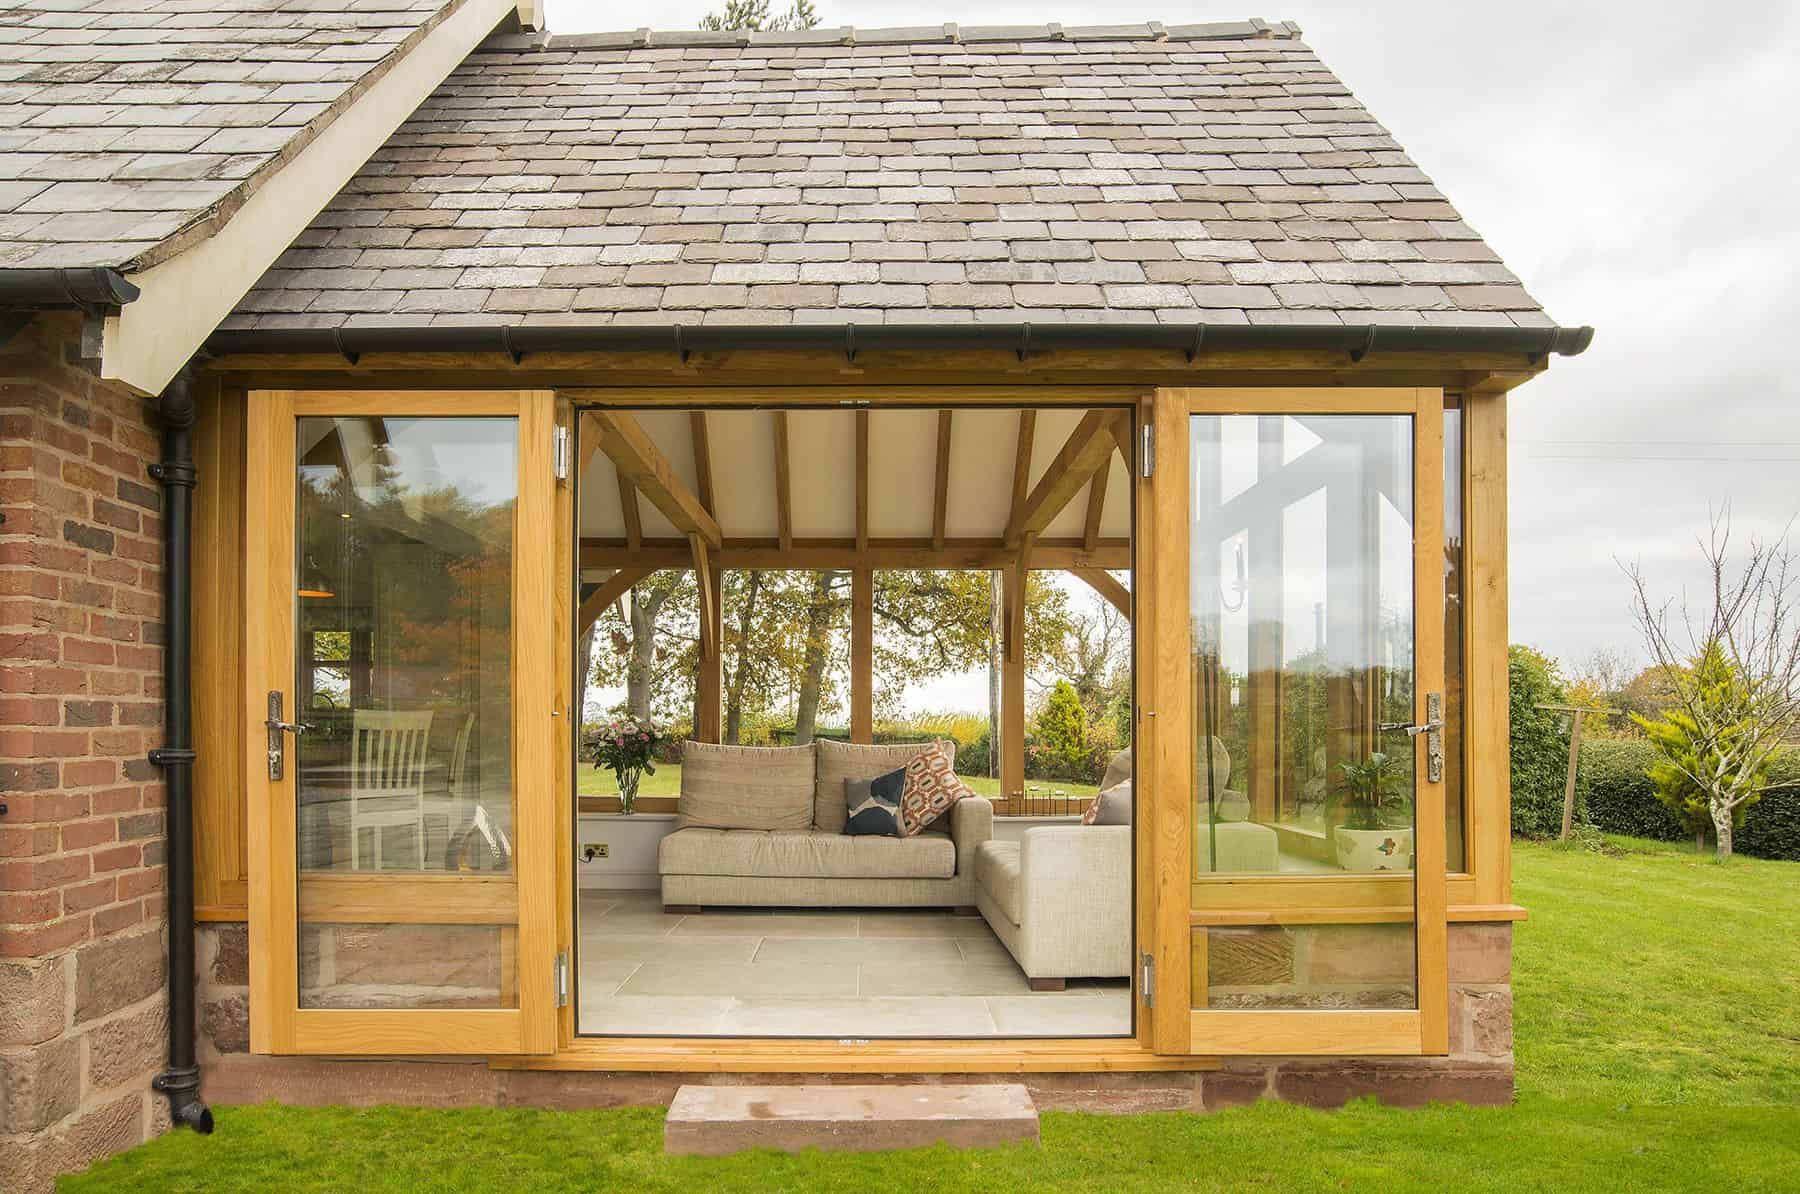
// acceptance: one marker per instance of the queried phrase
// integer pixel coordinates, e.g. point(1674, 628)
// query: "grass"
point(1658, 1024)
point(592, 781)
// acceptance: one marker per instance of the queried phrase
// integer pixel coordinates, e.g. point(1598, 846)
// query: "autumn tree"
point(1740, 698)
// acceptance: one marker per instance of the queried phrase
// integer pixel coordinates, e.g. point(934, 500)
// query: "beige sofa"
point(764, 827)
point(1059, 899)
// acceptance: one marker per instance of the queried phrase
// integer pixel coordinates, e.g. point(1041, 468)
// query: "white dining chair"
point(453, 803)
point(387, 779)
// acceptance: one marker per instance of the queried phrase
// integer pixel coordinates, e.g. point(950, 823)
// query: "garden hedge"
point(1614, 788)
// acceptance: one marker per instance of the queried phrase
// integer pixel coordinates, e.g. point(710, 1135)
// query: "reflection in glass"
point(1301, 551)
point(404, 679)
point(1456, 858)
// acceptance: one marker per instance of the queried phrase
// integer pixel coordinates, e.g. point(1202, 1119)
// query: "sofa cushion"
point(839, 761)
point(874, 804)
point(1111, 807)
point(746, 787)
point(997, 871)
point(812, 854)
point(932, 788)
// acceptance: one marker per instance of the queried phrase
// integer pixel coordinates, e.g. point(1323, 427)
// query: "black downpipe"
point(181, 1081)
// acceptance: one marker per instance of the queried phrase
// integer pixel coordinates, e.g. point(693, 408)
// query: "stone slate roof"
point(1209, 174)
point(127, 127)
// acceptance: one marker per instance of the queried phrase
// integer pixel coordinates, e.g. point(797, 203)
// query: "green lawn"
point(1658, 1023)
point(592, 781)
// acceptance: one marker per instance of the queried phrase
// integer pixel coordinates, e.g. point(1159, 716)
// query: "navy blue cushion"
point(874, 804)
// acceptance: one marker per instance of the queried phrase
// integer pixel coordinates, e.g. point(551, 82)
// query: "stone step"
point(712, 1121)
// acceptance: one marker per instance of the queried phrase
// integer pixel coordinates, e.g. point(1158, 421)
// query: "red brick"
point(138, 883)
point(90, 772)
point(89, 896)
point(121, 916)
point(118, 858)
point(29, 711)
point(43, 874)
point(83, 834)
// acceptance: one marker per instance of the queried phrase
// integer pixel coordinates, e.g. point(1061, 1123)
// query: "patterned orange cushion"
point(931, 789)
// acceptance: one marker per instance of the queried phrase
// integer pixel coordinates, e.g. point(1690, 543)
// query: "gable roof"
point(130, 128)
point(1201, 175)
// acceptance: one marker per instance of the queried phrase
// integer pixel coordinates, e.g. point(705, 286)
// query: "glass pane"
point(404, 678)
point(1302, 637)
point(1456, 858)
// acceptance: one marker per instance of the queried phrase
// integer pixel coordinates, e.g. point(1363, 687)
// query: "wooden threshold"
point(714, 1055)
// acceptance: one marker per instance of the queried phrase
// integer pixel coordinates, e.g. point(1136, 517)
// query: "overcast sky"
point(1634, 164)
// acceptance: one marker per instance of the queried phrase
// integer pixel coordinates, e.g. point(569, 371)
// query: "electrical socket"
point(592, 851)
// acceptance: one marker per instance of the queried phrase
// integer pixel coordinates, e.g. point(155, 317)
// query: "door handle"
point(1433, 729)
point(277, 730)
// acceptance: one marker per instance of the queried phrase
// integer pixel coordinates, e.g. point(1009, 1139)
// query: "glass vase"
point(628, 789)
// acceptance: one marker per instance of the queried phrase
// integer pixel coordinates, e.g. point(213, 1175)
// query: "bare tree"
point(1751, 621)
point(1607, 669)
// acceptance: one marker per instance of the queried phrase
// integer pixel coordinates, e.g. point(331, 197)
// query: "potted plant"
point(628, 748)
point(1377, 831)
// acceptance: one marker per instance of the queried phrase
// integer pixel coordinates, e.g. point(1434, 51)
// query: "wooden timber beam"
point(940, 509)
point(862, 480)
point(862, 656)
point(1122, 437)
point(1048, 555)
point(1021, 480)
point(1076, 461)
point(639, 460)
point(709, 643)
point(1103, 583)
point(703, 478)
point(784, 484)
point(633, 515)
point(1096, 506)
point(1012, 685)
point(610, 590)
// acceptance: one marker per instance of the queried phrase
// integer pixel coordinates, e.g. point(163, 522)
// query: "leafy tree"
point(1540, 745)
point(1686, 750)
point(1741, 696)
point(754, 15)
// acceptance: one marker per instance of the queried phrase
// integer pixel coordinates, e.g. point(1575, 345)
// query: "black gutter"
point(181, 1081)
point(1195, 340)
point(60, 289)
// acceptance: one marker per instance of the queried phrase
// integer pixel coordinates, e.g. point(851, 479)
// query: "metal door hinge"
point(560, 976)
point(1149, 451)
point(559, 451)
point(1147, 984)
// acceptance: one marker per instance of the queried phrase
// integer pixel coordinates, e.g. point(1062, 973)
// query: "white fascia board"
point(187, 296)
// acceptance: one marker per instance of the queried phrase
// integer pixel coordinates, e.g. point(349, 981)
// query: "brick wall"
point(82, 951)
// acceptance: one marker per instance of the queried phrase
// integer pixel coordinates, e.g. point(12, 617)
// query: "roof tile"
point(1214, 173)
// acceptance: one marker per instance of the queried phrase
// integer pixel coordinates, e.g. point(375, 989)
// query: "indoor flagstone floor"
point(825, 973)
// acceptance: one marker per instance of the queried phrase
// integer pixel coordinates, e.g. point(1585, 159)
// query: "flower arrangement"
point(628, 748)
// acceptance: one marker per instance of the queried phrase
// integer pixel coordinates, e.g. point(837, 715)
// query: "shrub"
point(1620, 798)
point(1062, 733)
point(1540, 744)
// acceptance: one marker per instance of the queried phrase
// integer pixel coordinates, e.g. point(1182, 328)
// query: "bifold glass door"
point(1301, 741)
point(402, 691)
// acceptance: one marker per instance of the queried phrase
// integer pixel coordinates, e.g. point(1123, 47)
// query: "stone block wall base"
point(1314, 1082)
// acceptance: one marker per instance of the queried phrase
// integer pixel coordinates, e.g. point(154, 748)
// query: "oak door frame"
point(1167, 719)
point(277, 1023)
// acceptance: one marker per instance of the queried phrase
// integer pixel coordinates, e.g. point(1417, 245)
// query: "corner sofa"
point(764, 827)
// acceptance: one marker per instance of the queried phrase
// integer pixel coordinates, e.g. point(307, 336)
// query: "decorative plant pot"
point(1365, 850)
